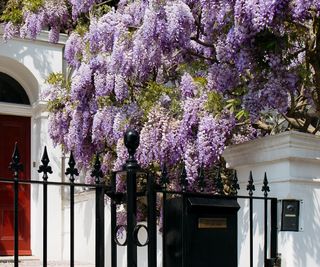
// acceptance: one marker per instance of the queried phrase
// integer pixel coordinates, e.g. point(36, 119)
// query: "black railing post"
point(131, 140)
point(164, 181)
point(265, 189)
point(152, 222)
point(274, 229)
point(16, 167)
point(16, 221)
point(113, 222)
point(131, 218)
point(234, 184)
point(97, 173)
point(45, 169)
point(251, 188)
point(72, 171)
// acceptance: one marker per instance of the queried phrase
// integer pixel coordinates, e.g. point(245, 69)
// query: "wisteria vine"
point(192, 76)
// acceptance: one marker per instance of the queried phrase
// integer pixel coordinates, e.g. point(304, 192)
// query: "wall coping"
point(42, 37)
point(289, 145)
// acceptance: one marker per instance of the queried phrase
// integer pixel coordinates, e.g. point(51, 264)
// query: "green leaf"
point(33, 5)
point(214, 103)
point(13, 12)
point(240, 114)
point(151, 93)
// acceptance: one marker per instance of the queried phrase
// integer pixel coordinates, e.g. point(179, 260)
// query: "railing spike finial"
point(250, 186)
point(45, 159)
point(234, 183)
point(202, 182)
point(265, 187)
point(72, 171)
point(45, 168)
point(183, 179)
point(164, 179)
point(218, 182)
point(97, 172)
point(15, 164)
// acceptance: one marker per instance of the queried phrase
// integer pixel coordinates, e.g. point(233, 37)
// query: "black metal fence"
point(154, 191)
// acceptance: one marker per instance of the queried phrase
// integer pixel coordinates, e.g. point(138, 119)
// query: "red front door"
point(14, 129)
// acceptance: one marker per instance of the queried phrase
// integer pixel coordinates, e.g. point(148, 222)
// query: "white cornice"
point(285, 146)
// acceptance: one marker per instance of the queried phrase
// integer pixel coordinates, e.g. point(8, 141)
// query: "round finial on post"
point(131, 141)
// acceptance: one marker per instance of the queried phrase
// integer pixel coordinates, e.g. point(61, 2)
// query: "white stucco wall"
point(292, 163)
point(29, 62)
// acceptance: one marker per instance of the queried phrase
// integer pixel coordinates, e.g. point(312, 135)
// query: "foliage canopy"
point(192, 76)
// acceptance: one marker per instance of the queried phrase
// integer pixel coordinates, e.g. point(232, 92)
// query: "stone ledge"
point(42, 37)
point(285, 146)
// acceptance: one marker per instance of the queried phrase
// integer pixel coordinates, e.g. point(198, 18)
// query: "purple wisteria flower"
point(73, 50)
point(187, 86)
point(81, 86)
point(212, 136)
point(82, 6)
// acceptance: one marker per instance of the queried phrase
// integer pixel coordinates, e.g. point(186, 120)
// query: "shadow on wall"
point(306, 244)
point(244, 233)
point(39, 55)
point(298, 249)
point(30, 62)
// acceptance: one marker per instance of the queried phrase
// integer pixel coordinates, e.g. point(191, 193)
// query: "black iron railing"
point(154, 192)
point(99, 187)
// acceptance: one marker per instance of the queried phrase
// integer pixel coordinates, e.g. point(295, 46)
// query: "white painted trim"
point(39, 109)
point(15, 109)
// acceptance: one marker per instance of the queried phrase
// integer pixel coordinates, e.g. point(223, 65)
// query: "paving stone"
point(8, 262)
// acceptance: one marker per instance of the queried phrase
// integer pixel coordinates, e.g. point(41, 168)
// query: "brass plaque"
point(212, 223)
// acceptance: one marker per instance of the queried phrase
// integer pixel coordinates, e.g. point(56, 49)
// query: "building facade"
point(24, 66)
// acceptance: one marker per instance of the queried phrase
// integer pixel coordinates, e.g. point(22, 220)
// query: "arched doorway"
point(14, 129)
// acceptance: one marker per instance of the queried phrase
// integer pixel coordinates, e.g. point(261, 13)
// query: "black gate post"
point(131, 140)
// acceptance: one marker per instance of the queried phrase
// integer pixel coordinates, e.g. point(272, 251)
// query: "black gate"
point(198, 229)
